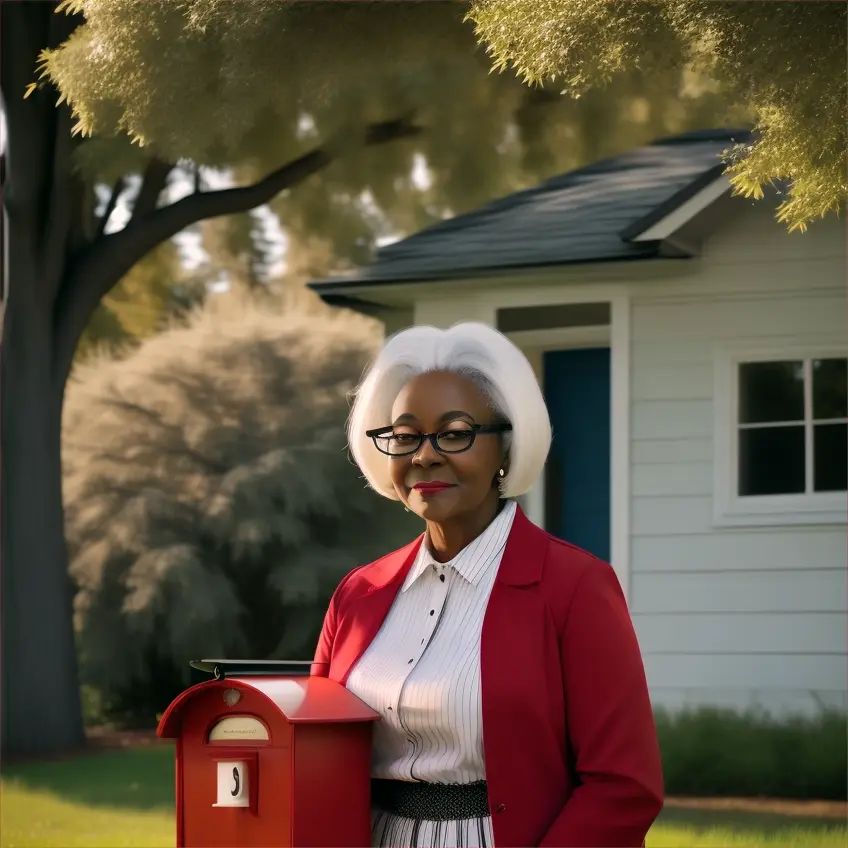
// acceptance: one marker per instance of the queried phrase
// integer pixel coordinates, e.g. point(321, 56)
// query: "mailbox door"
point(332, 785)
point(235, 779)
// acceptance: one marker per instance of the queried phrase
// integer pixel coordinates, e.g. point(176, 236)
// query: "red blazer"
point(568, 732)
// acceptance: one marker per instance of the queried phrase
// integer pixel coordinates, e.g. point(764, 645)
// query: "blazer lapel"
point(524, 555)
point(512, 612)
point(364, 613)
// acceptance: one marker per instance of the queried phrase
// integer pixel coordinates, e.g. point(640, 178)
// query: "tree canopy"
point(784, 60)
point(248, 85)
point(219, 82)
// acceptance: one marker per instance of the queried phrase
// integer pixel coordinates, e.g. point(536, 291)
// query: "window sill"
point(782, 510)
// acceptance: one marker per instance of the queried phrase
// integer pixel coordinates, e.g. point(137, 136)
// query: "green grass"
point(125, 798)
point(31, 818)
point(682, 828)
point(121, 798)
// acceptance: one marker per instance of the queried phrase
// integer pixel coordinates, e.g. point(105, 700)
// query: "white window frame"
point(729, 508)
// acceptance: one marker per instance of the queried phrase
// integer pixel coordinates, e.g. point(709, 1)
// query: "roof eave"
point(662, 223)
point(338, 285)
point(362, 305)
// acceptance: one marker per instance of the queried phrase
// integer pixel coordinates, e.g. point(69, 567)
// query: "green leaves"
point(578, 44)
point(210, 80)
point(70, 7)
point(785, 62)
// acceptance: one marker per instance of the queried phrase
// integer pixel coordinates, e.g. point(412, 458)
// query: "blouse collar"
point(476, 558)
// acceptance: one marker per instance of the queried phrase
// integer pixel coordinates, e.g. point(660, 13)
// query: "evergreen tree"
point(211, 504)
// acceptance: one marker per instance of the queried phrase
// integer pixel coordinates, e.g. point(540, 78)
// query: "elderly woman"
point(502, 661)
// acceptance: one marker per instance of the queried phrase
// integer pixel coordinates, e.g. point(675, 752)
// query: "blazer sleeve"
point(610, 722)
point(324, 650)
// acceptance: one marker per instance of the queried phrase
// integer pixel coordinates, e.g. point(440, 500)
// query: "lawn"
point(125, 798)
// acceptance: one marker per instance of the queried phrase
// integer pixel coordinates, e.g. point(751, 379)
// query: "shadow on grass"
point(756, 824)
point(138, 779)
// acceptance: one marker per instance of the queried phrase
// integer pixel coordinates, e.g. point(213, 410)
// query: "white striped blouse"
point(422, 674)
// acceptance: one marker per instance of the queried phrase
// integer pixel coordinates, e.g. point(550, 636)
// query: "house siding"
point(731, 616)
point(727, 616)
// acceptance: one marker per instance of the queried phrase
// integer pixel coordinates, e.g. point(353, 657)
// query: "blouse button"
point(500, 808)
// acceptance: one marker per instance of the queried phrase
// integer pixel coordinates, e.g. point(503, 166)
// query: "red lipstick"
point(432, 488)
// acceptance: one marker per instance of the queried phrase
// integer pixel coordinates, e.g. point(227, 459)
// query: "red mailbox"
point(269, 756)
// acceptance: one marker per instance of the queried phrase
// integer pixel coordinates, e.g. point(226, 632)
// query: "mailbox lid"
point(311, 700)
point(300, 700)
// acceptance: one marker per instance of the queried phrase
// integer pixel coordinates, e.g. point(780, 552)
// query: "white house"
point(693, 354)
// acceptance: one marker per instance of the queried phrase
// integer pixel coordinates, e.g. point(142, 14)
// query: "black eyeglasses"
point(447, 441)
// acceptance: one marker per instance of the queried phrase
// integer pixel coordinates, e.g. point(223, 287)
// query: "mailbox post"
point(267, 755)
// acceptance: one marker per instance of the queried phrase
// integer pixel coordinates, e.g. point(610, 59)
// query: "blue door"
point(577, 496)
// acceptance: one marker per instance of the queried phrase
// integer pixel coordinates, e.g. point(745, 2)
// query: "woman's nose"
point(427, 455)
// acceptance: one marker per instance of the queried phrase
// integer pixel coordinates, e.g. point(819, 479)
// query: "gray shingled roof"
point(581, 216)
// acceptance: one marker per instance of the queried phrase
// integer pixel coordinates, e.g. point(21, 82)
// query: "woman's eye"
point(454, 435)
point(403, 438)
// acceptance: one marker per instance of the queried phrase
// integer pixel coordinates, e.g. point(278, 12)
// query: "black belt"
point(431, 801)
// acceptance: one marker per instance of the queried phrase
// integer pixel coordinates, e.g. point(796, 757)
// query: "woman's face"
point(440, 402)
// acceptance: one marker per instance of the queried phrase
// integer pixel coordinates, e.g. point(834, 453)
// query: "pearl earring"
point(501, 473)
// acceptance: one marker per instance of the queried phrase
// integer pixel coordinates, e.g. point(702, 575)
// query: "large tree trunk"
point(40, 691)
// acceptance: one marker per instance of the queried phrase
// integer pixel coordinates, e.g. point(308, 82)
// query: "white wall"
point(731, 616)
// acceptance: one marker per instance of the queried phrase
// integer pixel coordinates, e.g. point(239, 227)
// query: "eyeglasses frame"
point(432, 437)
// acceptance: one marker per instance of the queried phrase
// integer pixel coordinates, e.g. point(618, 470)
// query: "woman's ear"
point(501, 473)
point(504, 470)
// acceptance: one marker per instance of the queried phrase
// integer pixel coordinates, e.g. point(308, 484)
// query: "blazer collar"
point(522, 563)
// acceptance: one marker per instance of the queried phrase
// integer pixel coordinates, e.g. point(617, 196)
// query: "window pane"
point(830, 457)
point(830, 388)
point(771, 461)
point(771, 391)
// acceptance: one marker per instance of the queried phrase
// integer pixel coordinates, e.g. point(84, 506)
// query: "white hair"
point(475, 351)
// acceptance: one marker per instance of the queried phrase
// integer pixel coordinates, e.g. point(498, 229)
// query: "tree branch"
point(117, 190)
point(83, 220)
point(59, 198)
point(153, 180)
point(106, 262)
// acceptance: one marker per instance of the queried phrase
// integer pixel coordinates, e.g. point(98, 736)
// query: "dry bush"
point(211, 505)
